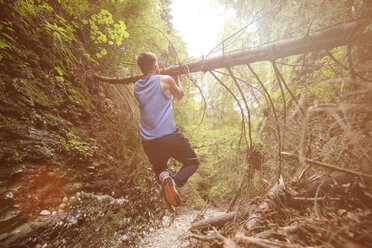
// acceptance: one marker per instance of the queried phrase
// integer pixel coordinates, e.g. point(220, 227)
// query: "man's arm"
point(171, 86)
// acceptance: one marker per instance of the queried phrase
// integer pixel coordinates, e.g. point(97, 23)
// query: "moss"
point(11, 154)
point(50, 116)
point(77, 96)
point(36, 94)
point(109, 102)
point(20, 126)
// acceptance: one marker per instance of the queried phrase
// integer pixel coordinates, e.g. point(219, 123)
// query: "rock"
point(9, 195)
point(125, 237)
point(73, 200)
point(72, 188)
point(44, 213)
point(62, 214)
point(166, 221)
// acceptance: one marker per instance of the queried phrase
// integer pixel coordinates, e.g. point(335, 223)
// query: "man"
point(161, 138)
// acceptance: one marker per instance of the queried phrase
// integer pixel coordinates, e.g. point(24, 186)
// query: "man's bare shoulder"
point(166, 78)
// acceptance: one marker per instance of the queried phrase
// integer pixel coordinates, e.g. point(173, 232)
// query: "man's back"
point(156, 108)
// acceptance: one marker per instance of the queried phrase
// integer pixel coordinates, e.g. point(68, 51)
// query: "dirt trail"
point(175, 230)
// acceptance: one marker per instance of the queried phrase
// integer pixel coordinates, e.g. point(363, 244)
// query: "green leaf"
point(103, 51)
point(3, 45)
point(9, 37)
point(59, 70)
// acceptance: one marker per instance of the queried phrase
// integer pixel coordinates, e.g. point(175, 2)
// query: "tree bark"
point(325, 39)
point(213, 221)
point(270, 199)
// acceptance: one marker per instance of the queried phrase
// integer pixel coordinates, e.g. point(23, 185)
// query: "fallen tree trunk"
point(270, 199)
point(325, 39)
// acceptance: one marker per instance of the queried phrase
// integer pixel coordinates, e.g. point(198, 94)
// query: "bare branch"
point(328, 166)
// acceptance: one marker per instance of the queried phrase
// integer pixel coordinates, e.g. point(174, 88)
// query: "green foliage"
point(83, 150)
point(104, 30)
point(78, 96)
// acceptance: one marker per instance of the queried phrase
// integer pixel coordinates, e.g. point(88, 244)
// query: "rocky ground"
point(174, 231)
point(48, 207)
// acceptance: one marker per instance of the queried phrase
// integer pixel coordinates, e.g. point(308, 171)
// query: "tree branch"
point(328, 166)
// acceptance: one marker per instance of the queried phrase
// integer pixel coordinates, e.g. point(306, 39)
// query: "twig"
point(352, 72)
point(284, 112)
point(309, 112)
point(204, 101)
point(248, 111)
point(240, 107)
point(244, 81)
point(315, 200)
point(274, 111)
point(286, 86)
point(204, 237)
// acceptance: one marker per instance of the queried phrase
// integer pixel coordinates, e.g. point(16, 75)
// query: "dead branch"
point(274, 111)
point(237, 101)
point(280, 76)
point(352, 71)
point(213, 221)
point(309, 112)
point(240, 238)
point(204, 101)
point(246, 106)
point(284, 112)
point(328, 166)
point(206, 238)
point(316, 199)
point(244, 81)
point(271, 198)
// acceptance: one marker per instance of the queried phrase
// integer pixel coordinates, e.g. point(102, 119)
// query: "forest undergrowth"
point(284, 143)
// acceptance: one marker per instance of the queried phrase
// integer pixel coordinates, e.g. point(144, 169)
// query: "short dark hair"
point(146, 61)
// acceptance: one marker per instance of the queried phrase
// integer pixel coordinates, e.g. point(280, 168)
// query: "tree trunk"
point(270, 199)
point(325, 39)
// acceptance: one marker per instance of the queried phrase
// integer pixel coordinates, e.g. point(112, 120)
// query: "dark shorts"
point(175, 146)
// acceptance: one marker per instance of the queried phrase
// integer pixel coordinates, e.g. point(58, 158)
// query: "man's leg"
point(158, 155)
point(180, 149)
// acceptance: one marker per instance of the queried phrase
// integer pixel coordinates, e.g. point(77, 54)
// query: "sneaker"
point(170, 191)
point(160, 193)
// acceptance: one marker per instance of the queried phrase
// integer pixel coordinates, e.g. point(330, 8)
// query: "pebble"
point(73, 200)
point(166, 221)
point(44, 213)
point(9, 195)
point(125, 237)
